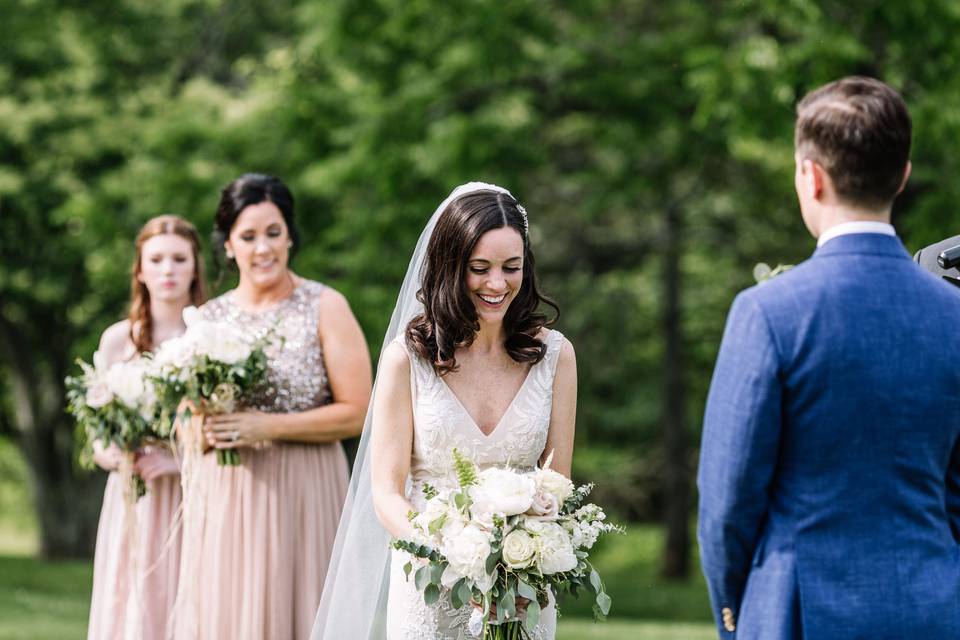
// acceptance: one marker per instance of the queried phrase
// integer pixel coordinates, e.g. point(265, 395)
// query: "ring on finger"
point(234, 436)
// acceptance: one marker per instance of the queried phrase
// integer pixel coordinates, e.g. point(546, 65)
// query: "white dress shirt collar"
point(857, 226)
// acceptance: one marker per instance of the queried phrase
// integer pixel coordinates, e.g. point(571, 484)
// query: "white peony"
point(554, 547)
point(502, 491)
point(519, 549)
point(203, 335)
point(125, 381)
point(555, 483)
point(191, 316)
point(175, 353)
point(230, 349)
point(466, 552)
point(218, 341)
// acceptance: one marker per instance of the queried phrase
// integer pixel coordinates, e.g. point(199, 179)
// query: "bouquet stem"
point(228, 457)
point(514, 630)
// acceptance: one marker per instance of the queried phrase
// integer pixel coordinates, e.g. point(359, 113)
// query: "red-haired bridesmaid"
point(167, 276)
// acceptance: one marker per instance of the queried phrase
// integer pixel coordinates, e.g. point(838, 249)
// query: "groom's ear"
point(814, 178)
point(906, 177)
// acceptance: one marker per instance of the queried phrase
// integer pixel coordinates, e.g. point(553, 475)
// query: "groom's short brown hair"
point(858, 129)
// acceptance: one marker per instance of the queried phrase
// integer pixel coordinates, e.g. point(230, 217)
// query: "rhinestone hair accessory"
point(526, 221)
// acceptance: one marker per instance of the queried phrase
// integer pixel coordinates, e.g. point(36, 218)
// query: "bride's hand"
point(232, 430)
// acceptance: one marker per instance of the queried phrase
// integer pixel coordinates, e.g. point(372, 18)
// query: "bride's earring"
point(229, 254)
point(289, 244)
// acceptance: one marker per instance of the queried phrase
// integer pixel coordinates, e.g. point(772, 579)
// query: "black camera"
point(942, 259)
point(949, 258)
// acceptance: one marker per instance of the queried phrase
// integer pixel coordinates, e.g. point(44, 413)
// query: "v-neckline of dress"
point(506, 412)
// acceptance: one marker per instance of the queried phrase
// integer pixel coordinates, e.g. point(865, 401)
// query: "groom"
point(830, 466)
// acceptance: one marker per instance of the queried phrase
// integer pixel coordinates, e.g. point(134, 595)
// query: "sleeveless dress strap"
point(554, 344)
point(545, 370)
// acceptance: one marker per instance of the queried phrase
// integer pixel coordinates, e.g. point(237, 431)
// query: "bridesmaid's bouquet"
point(115, 405)
point(504, 535)
point(212, 365)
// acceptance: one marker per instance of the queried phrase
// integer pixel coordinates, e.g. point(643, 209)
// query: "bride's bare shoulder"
point(395, 356)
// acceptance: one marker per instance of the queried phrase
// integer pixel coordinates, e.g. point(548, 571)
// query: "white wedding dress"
point(441, 423)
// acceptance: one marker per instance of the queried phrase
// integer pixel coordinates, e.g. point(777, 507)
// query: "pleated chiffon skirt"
point(158, 561)
point(268, 531)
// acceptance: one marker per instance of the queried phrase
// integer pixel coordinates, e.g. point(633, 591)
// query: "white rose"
point(98, 395)
point(467, 552)
point(519, 549)
point(554, 548)
point(555, 483)
point(545, 506)
point(503, 491)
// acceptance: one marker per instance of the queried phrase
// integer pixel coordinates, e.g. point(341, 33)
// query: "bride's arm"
point(563, 414)
point(391, 442)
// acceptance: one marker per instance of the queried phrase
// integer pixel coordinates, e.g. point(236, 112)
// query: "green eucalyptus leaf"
point(604, 602)
point(533, 614)
point(422, 577)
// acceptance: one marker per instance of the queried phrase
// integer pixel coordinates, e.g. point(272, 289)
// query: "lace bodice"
point(442, 423)
point(296, 375)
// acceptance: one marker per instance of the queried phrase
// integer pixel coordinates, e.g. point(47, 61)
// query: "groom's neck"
point(832, 215)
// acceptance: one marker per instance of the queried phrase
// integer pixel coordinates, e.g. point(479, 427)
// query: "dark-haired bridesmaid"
point(167, 277)
point(270, 522)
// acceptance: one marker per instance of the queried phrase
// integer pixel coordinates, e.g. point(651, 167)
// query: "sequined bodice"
point(441, 423)
point(296, 375)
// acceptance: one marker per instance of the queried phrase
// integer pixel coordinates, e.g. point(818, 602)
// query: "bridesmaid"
point(167, 276)
point(270, 522)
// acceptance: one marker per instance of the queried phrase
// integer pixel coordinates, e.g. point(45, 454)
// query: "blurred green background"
point(651, 143)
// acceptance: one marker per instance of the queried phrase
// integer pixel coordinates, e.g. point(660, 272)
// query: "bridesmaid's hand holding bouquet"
point(211, 366)
point(115, 406)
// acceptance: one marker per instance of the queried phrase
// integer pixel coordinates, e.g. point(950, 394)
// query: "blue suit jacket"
point(830, 467)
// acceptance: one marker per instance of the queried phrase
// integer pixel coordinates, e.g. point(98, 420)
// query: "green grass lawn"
point(50, 600)
point(41, 600)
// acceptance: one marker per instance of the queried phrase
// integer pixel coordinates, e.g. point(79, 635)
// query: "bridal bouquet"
point(503, 535)
point(212, 365)
point(115, 405)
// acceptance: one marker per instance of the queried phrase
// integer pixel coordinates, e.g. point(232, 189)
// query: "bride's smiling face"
point(495, 273)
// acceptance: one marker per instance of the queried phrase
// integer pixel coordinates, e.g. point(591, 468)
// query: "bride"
point(468, 363)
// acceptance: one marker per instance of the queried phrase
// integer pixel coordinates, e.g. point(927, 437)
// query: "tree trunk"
point(676, 557)
point(66, 499)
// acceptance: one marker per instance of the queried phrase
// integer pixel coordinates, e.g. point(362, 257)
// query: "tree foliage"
point(631, 130)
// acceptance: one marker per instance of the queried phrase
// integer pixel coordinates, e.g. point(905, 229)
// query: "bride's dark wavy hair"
point(449, 319)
